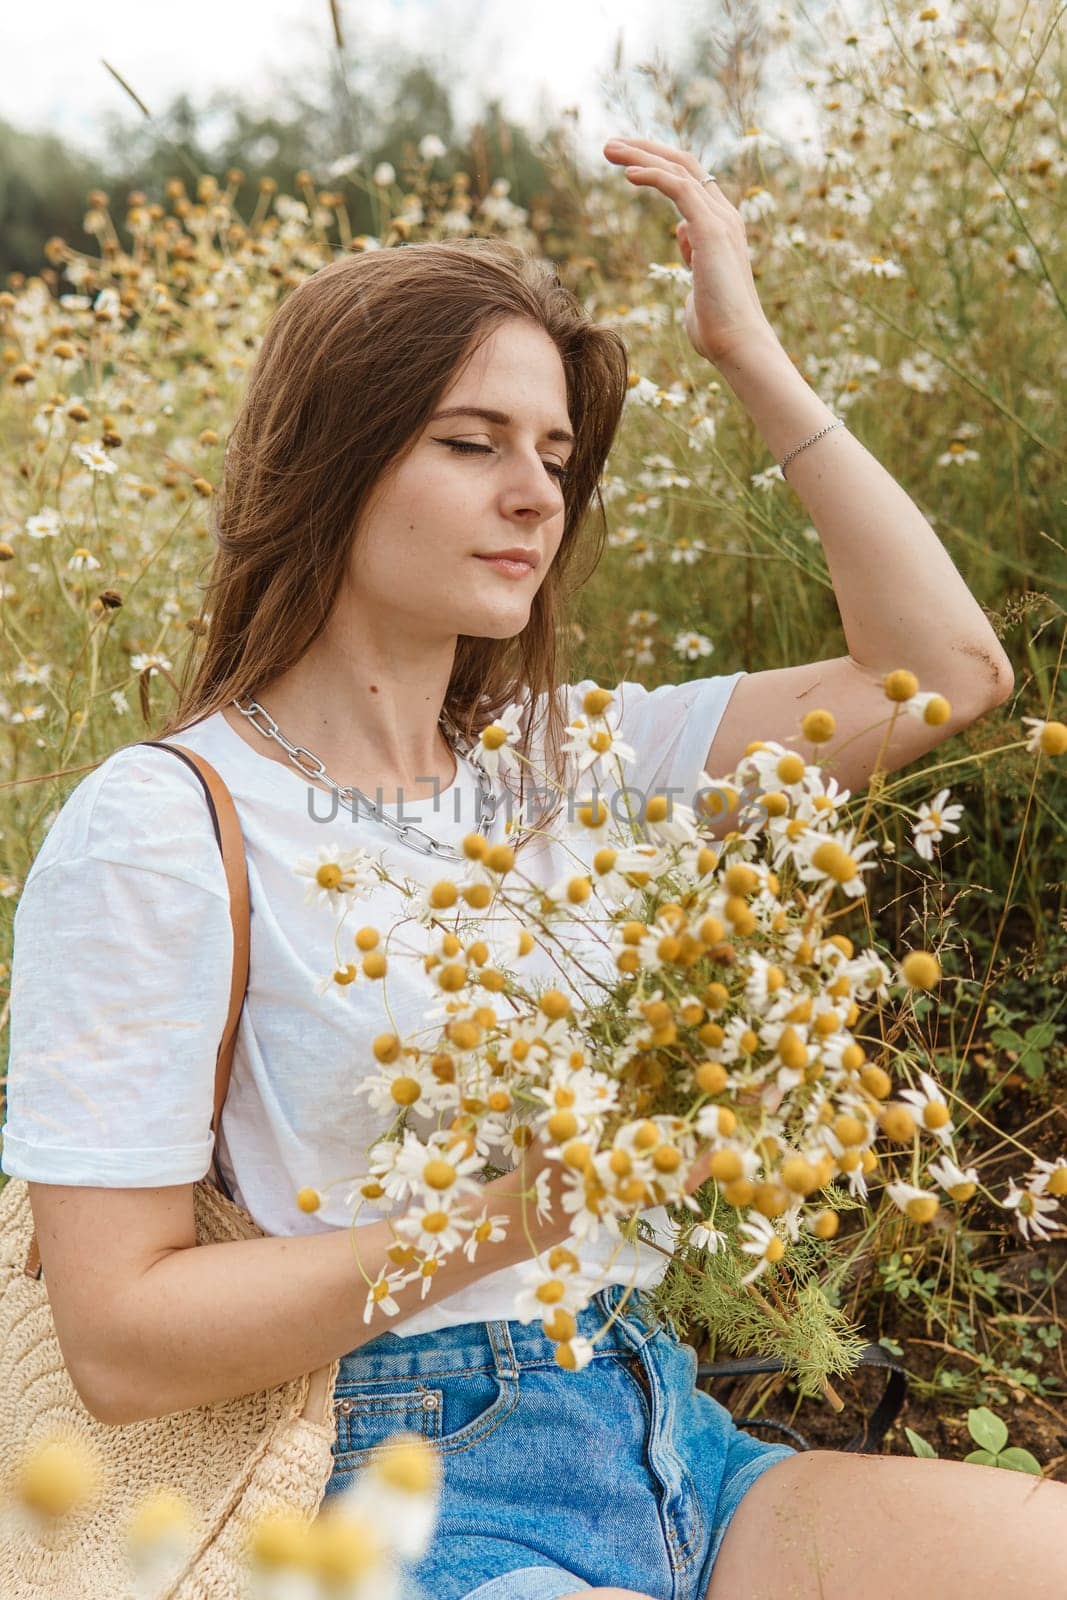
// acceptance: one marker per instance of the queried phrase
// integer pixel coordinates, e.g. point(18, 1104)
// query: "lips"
point(529, 557)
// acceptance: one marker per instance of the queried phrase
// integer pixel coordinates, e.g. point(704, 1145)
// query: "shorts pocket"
point(451, 1409)
point(474, 1403)
point(367, 1416)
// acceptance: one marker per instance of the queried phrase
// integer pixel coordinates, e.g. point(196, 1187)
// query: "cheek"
point(444, 504)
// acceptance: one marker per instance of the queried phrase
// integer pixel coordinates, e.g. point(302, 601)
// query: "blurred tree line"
point(337, 131)
point(351, 111)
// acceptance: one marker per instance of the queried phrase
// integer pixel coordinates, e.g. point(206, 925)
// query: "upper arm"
point(95, 1245)
point(770, 705)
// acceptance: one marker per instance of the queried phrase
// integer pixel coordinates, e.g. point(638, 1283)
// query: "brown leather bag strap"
point(230, 840)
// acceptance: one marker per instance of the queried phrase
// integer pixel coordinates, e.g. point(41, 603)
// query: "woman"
point(389, 578)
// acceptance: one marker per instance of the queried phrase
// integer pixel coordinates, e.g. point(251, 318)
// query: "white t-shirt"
point(121, 979)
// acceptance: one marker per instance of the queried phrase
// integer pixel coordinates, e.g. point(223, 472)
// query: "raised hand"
point(722, 312)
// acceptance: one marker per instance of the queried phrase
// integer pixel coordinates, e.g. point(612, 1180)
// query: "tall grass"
point(916, 275)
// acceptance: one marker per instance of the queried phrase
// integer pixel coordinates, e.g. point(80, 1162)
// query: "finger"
point(635, 155)
point(634, 151)
point(654, 147)
point(637, 159)
point(690, 197)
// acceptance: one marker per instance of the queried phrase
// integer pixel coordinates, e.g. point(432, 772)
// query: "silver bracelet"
point(839, 422)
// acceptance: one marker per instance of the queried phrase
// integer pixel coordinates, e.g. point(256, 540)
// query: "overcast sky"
point(551, 54)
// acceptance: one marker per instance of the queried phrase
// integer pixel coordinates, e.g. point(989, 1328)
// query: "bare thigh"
point(607, 1594)
point(828, 1525)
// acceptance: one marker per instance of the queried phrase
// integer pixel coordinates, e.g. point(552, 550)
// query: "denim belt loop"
point(504, 1357)
point(637, 1321)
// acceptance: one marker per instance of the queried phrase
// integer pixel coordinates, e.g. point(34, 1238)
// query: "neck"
point(366, 715)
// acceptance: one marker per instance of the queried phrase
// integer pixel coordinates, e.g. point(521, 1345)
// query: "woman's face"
point(471, 487)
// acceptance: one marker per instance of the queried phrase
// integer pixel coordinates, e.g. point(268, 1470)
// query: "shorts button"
point(429, 1402)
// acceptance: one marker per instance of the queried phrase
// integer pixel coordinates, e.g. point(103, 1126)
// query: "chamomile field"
point(915, 272)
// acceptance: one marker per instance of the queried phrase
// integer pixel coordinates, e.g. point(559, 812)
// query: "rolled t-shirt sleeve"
point(670, 729)
point(120, 988)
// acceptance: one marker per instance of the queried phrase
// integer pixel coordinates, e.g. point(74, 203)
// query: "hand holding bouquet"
point(732, 1056)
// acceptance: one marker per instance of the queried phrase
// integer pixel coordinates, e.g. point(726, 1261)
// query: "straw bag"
point(233, 1459)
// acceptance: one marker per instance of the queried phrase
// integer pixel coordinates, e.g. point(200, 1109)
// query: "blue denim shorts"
point(622, 1474)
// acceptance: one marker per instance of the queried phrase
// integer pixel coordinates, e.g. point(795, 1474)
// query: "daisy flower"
point(585, 1221)
point(677, 827)
point(777, 768)
point(612, 889)
point(934, 819)
point(643, 393)
point(45, 525)
point(691, 645)
point(83, 560)
point(957, 454)
point(486, 1230)
point(1031, 1208)
point(589, 818)
point(337, 876)
point(542, 1198)
point(1050, 1177)
point(762, 1241)
point(150, 660)
point(32, 672)
point(494, 747)
point(687, 552)
point(916, 706)
point(391, 1518)
point(643, 650)
point(836, 861)
point(431, 1227)
point(416, 1157)
point(1048, 738)
point(378, 1088)
point(381, 1292)
point(95, 457)
point(704, 1237)
point(918, 1204)
point(546, 1291)
point(509, 940)
point(591, 744)
point(930, 1103)
point(960, 1185)
point(757, 203)
point(876, 266)
point(339, 977)
point(824, 796)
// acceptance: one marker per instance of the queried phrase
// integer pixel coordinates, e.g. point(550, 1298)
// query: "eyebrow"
point(498, 416)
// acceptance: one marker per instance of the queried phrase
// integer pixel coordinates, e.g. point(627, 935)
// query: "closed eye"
point(556, 468)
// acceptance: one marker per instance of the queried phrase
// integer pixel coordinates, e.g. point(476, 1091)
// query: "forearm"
point(901, 599)
point(219, 1320)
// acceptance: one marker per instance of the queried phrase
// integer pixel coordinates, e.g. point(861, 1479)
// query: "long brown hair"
point(350, 369)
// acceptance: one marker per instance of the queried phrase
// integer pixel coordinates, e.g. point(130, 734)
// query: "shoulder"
point(141, 807)
point(641, 709)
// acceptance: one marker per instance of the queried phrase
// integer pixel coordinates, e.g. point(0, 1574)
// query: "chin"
point(494, 627)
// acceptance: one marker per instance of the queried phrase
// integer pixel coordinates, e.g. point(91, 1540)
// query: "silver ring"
point(711, 178)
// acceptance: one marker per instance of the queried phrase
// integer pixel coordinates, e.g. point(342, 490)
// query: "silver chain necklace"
point(416, 838)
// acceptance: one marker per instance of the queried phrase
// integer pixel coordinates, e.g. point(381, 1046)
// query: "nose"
point(534, 491)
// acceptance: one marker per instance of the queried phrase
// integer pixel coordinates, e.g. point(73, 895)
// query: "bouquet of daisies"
point(731, 1056)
